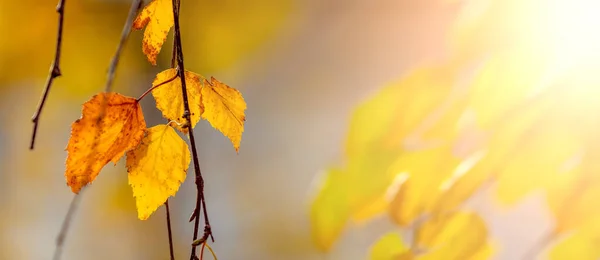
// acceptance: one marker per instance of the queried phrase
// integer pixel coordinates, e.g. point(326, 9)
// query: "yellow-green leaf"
point(156, 168)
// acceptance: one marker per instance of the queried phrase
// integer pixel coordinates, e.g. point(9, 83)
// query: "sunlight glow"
point(573, 31)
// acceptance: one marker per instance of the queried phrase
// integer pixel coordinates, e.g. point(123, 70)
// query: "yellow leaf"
point(369, 178)
point(505, 81)
point(511, 133)
point(390, 247)
point(581, 245)
point(110, 125)
point(329, 211)
point(156, 168)
point(571, 196)
point(535, 163)
point(459, 235)
point(381, 128)
point(465, 180)
point(169, 99)
point(484, 253)
point(386, 119)
point(157, 16)
point(224, 109)
point(375, 207)
point(427, 171)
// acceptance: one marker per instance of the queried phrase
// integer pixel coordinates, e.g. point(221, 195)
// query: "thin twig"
point(133, 10)
point(186, 115)
point(202, 250)
point(169, 230)
point(174, 49)
point(60, 239)
point(54, 72)
point(135, 6)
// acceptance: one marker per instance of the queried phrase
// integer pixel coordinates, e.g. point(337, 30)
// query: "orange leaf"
point(169, 98)
point(110, 125)
point(157, 16)
point(224, 109)
point(157, 168)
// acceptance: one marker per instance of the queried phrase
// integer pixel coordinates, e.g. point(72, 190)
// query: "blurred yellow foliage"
point(390, 247)
point(515, 104)
point(461, 235)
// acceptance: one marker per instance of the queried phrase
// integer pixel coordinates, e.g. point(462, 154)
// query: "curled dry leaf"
point(110, 125)
point(157, 16)
point(224, 108)
point(169, 98)
point(156, 168)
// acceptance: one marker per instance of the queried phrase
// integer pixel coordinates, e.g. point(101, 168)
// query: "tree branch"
point(135, 6)
point(54, 72)
point(60, 239)
point(199, 180)
point(133, 10)
point(169, 230)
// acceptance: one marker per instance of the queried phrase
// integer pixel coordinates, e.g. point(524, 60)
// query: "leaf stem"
point(169, 230)
point(154, 87)
point(54, 72)
point(199, 180)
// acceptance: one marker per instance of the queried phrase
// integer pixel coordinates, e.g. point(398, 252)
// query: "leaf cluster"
point(112, 125)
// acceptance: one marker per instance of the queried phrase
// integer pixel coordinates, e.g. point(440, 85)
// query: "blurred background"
point(302, 66)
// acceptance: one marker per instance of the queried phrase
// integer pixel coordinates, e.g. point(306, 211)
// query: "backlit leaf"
point(169, 98)
point(385, 127)
point(110, 125)
point(224, 109)
point(457, 236)
point(427, 170)
point(371, 177)
point(156, 168)
point(390, 247)
point(504, 81)
point(157, 17)
point(386, 119)
point(571, 194)
point(329, 211)
point(581, 245)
